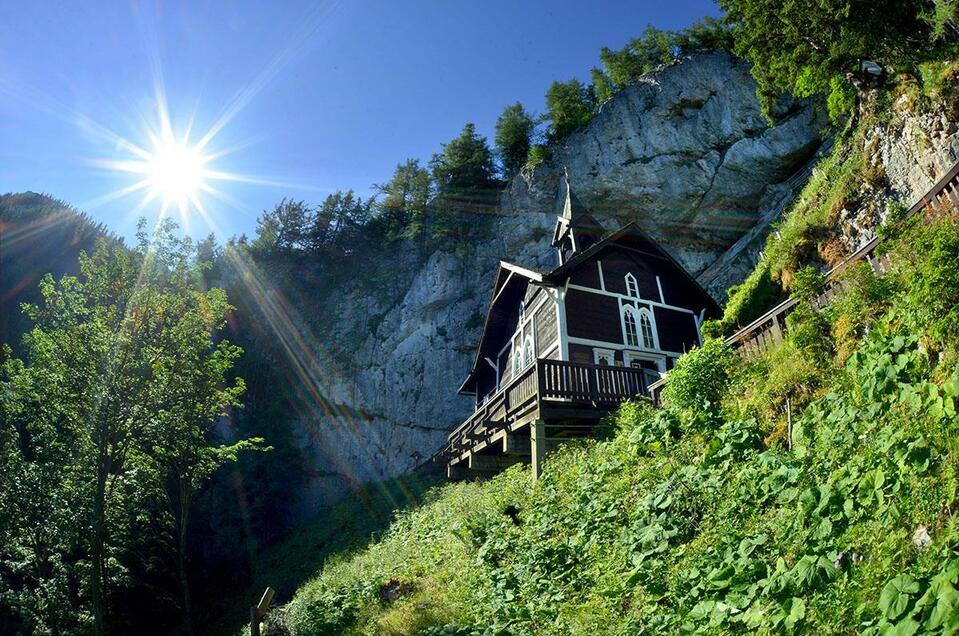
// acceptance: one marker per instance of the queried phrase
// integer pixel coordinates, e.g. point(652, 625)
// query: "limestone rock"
point(686, 153)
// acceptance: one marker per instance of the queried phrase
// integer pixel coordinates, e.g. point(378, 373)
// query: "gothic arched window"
point(646, 329)
point(630, 327)
point(632, 287)
point(638, 328)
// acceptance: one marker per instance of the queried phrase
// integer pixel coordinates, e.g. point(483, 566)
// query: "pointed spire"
point(576, 228)
point(572, 207)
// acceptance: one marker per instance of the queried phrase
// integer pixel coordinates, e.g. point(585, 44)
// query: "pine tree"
point(514, 128)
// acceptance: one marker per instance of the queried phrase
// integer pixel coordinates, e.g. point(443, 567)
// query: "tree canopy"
point(464, 176)
point(115, 401)
point(817, 48)
point(514, 128)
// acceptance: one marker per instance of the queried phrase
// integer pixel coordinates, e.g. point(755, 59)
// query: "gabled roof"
point(507, 275)
point(558, 275)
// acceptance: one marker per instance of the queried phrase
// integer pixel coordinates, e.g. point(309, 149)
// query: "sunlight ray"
point(296, 43)
point(115, 195)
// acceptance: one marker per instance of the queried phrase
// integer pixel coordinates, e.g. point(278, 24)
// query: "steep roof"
point(508, 284)
point(510, 280)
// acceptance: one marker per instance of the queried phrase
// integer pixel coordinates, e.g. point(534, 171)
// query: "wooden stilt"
point(537, 443)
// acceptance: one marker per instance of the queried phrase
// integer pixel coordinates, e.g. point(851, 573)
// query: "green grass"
point(351, 524)
point(698, 517)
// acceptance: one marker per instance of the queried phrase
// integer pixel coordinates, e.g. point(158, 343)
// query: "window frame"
point(632, 285)
point(600, 352)
point(638, 315)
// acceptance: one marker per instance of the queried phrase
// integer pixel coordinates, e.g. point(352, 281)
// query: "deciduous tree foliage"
point(115, 400)
point(808, 48)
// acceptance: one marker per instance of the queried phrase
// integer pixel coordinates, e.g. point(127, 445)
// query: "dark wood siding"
point(676, 329)
point(545, 326)
point(580, 353)
point(587, 275)
point(532, 292)
point(592, 316)
point(619, 262)
point(505, 368)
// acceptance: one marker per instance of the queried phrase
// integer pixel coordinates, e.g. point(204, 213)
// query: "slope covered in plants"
point(712, 514)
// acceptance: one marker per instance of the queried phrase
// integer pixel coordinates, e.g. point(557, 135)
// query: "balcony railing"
point(555, 382)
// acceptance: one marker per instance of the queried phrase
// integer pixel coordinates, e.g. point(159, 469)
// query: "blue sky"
point(315, 96)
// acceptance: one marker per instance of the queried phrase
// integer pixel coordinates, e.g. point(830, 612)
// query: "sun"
point(176, 171)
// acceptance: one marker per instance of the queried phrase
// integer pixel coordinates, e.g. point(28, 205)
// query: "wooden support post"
point(257, 613)
point(776, 330)
point(514, 444)
point(537, 443)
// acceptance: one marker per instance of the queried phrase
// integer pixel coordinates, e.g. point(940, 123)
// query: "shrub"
point(928, 277)
point(695, 386)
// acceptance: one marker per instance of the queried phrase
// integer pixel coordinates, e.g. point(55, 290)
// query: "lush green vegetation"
point(847, 180)
point(712, 514)
point(809, 50)
point(108, 433)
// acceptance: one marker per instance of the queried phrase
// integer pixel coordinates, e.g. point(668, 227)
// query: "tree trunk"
point(181, 555)
point(97, 547)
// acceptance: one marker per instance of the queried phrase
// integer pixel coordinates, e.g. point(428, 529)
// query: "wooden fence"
point(768, 329)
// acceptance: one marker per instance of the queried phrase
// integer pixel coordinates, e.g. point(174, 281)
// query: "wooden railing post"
point(259, 612)
point(537, 445)
point(540, 379)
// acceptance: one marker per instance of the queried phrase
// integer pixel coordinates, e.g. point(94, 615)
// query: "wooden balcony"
point(552, 390)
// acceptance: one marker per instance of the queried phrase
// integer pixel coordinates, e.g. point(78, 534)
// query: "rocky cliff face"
point(685, 152)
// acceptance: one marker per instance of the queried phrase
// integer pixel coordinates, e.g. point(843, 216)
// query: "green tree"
point(465, 179)
point(514, 128)
point(121, 384)
point(193, 393)
point(707, 34)
point(286, 227)
point(339, 222)
point(569, 105)
point(807, 48)
point(402, 208)
point(603, 88)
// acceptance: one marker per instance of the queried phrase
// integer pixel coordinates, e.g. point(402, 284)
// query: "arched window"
point(517, 363)
point(632, 287)
point(646, 329)
point(629, 324)
point(529, 352)
point(638, 327)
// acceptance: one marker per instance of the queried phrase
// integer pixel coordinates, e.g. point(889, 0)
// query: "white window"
point(632, 287)
point(646, 329)
point(603, 357)
point(638, 330)
point(517, 359)
point(529, 351)
point(630, 327)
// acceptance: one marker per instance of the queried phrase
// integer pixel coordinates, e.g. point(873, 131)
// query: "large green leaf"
point(896, 596)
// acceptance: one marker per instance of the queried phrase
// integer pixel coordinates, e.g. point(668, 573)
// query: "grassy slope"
point(685, 520)
point(697, 517)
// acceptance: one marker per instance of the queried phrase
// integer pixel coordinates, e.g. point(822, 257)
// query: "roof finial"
point(567, 204)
